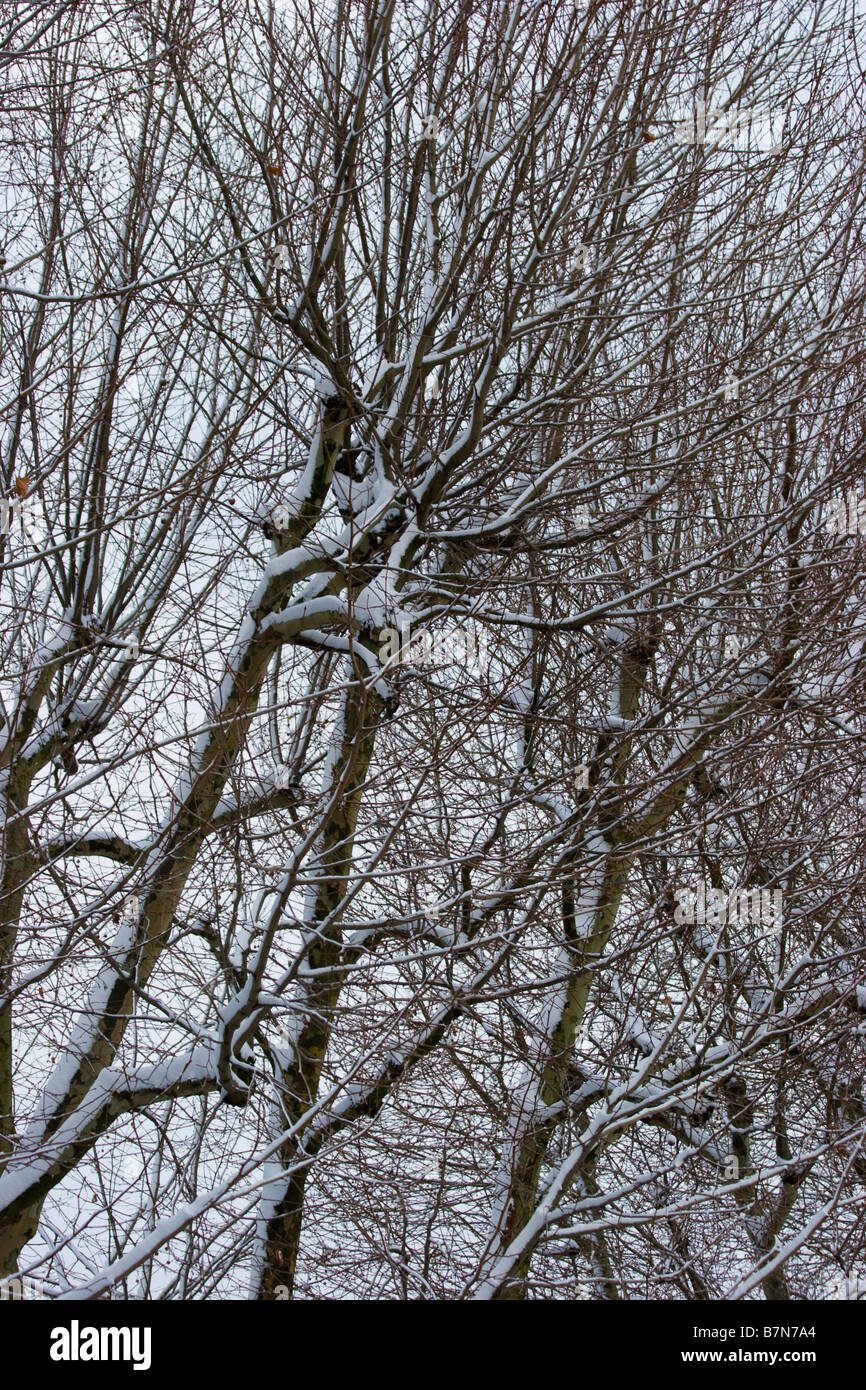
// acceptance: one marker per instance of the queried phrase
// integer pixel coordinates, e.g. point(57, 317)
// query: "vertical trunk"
point(298, 1086)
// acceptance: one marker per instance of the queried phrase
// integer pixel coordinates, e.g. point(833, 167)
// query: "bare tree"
point(432, 650)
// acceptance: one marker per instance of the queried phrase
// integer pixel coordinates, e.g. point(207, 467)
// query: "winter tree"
point(433, 622)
